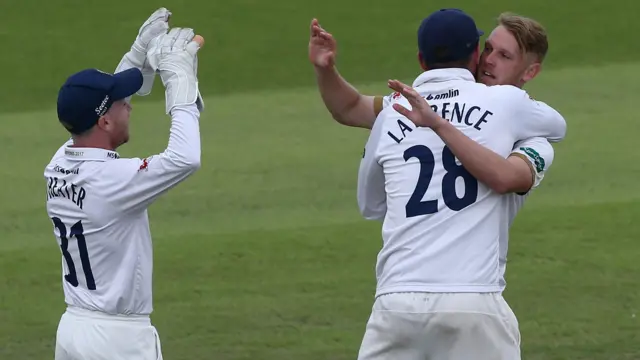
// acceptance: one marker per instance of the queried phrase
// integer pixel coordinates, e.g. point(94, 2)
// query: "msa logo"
point(112, 155)
point(447, 95)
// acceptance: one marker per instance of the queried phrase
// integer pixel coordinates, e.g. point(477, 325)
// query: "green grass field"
point(262, 254)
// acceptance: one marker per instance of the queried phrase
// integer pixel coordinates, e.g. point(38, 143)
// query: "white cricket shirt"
point(97, 203)
point(441, 227)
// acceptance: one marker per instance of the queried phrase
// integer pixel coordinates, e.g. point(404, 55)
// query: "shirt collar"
point(89, 154)
point(440, 75)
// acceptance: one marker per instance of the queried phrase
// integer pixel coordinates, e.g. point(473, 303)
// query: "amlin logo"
point(447, 95)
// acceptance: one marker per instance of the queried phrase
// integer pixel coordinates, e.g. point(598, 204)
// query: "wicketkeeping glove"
point(174, 56)
point(157, 24)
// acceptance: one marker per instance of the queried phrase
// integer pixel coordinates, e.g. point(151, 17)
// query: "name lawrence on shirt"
point(461, 113)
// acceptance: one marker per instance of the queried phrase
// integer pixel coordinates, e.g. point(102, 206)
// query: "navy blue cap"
point(447, 35)
point(87, 95)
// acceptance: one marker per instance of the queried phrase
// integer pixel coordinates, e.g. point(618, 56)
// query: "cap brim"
point(480, 32)
point(127, 83)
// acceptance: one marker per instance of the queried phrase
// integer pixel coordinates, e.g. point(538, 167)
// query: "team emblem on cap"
point(100, 110)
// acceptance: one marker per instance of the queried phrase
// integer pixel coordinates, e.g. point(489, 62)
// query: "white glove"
point(174, 56)
point(157, 24)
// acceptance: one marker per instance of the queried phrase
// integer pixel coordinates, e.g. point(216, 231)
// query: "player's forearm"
point(484, 164)
point(344, 102)
point(183, 149)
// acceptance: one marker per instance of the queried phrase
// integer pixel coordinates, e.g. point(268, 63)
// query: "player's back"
point(441, 226)
point(107, 251)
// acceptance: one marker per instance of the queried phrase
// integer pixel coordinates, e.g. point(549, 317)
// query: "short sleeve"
point(539, 153)
point(382, 102)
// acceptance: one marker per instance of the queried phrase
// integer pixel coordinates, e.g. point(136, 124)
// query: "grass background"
point(262, 254)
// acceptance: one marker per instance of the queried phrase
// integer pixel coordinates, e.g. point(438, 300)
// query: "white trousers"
point(90, 335)
point(441, 326)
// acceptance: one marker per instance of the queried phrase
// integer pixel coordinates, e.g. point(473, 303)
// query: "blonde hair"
point(530, 34)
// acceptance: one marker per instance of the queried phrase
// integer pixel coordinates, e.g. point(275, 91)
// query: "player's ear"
point(104, 122)
point(532, 71)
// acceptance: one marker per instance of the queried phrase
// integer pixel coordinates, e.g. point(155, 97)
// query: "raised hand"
point(174, 56)
point(421, 113)
point(157, 24)
point(322, 46)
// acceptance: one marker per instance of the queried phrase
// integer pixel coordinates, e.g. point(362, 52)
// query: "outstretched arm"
point(344, 102)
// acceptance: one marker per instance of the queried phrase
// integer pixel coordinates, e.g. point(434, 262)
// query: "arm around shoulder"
point(527, 165)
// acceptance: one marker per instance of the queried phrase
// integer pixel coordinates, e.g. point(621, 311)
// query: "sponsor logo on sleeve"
point(537, 159)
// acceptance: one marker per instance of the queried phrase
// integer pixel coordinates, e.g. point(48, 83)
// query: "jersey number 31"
point(415, 206)
point(77, 231)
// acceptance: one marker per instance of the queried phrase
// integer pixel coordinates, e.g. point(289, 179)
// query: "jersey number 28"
point(415, 206)
point(76, 231)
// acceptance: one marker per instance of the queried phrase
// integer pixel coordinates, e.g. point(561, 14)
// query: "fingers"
point(172, 36)
point(316, 29)
point(400, 87)
point(394, 85)
point(156, 23)
point(199, 39)
point(326, 36)
point(193, 47)
point(184, 37)
point(402, 110)
point(407, 91)
point(196, 44)
point(161, 14)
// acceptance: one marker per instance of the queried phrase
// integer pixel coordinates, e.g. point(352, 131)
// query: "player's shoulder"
point(100, 174)
point(390, 128)
point(389, 114)
point(485, 93)
point(122, 167)
point(391, 97)
point(509, 92)
point(518, 100)
point(60, 152)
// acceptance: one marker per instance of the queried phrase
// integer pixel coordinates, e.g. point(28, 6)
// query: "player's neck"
point(93, 142)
